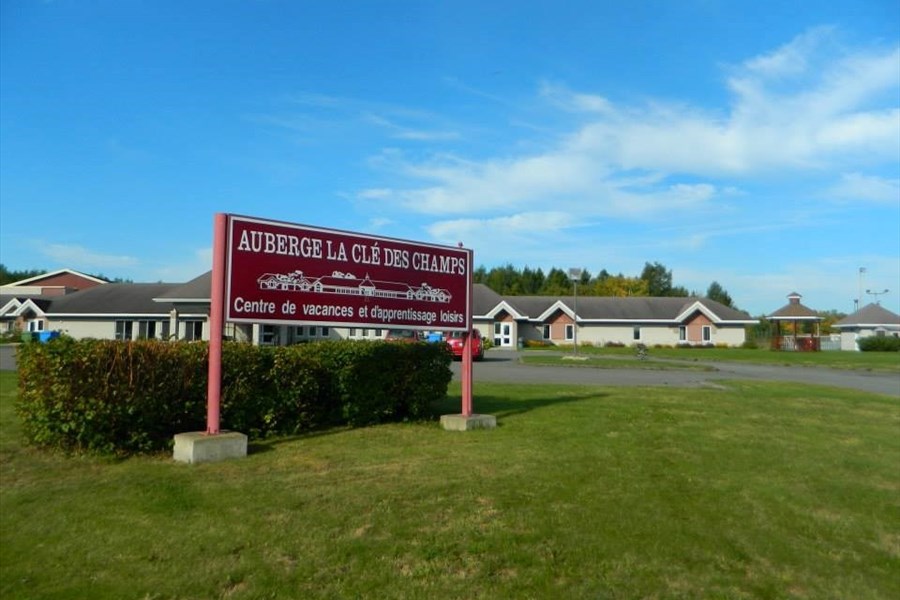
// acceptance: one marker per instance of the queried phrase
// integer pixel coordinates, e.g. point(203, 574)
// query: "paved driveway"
point(503, 366)
point(8, 357)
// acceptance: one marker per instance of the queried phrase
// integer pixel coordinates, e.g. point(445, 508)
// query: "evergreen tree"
point(717, 292)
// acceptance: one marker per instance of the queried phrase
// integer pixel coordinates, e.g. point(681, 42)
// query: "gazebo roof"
point(794, 311)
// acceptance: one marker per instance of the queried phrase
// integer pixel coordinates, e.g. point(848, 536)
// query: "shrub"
point(878, 343)
point(538, 344)
point(614, 345)
point(128, 397)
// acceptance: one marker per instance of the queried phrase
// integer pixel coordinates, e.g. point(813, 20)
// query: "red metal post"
point(466, 374)
point(216, 323)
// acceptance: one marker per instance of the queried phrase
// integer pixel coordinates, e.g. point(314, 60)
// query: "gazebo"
point(789, 321)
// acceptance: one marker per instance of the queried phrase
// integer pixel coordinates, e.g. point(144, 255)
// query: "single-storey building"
point(23, 302)
point(870, 320)
point(608, 320)
point(180, 311)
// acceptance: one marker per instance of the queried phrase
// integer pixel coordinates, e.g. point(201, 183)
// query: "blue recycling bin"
point(46, 336)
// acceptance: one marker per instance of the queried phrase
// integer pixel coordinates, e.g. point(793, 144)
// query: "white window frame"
point(707, 333)
point(570, 332)
point(636, 333)
point(124, 330)
point(547, 332)
point(682, 333)
point(193, 330)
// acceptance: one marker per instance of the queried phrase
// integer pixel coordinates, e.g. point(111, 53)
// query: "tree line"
point(655, 280)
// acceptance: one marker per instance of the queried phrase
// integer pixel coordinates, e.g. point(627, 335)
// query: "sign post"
point(213, 445)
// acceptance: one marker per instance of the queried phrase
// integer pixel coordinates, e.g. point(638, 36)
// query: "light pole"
point(876, 294)
point(575, 275)
point(859, 298)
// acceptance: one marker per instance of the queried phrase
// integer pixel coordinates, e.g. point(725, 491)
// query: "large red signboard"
point(288, 274)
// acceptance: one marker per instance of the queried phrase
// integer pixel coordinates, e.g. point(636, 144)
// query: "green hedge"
point(127, 397)
point(879, 344)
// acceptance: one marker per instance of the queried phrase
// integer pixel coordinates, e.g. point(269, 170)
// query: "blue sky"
point(753, 143)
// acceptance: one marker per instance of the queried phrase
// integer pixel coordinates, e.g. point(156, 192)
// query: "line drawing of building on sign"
point(350, 285)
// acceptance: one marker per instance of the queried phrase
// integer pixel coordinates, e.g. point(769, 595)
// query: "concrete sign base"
point(199, 446)
point(468, 422)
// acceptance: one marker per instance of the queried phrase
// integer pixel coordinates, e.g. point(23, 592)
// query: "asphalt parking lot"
point(504, 366)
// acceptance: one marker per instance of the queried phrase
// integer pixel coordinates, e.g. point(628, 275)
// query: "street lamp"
point(876, 294)
point(575, 275)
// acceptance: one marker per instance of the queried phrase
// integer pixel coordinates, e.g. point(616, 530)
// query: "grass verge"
point(757, 491)
point(888, 362)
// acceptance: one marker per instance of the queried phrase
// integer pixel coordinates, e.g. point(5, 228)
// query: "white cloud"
point(855, 187)
point(79, 257)
point(805, 107)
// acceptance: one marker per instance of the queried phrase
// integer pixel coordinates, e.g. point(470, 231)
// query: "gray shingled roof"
point(484, 299)
point(196, 289)
point(635, 308)
point(114, 299)
point(871, 314)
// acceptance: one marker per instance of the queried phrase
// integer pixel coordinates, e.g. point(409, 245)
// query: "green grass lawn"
point(754, 491)
point(866, 361)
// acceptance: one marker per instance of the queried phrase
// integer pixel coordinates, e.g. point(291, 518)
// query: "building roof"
point(37, 280)
point(113, 299)
point(794, 310)
point(607, 308)
point(195, 291)
point(484, 299)
point(873, 315)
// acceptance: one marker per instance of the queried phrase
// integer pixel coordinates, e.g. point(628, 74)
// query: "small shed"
point(870, 320)
point(796, 327)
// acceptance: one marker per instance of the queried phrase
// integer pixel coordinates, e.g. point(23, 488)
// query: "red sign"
point(286, 273)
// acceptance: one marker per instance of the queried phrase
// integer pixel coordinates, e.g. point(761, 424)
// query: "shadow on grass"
point(499, 406)
point(505, 406)
point(260, 446)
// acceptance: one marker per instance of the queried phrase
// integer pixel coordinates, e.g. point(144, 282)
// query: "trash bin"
point(46, 336)
point(28, 337)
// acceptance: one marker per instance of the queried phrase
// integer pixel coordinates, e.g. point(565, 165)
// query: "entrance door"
point(503, 334)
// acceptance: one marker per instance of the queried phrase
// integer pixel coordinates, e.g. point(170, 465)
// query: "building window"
point(124, 330)
point(682, 334)
point(570, 331)
point(165, 330)
point(323, 332)
point(146, 330)
point(378, 333)
point(636, 333)
point(707, 333)
point(352, 332)
point(546, 333)
point(36, 325)
point(193, 330)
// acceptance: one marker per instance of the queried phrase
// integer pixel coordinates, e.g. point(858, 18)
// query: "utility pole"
point(575, 275)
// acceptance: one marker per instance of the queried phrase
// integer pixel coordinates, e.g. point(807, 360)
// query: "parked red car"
point(455, 339)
